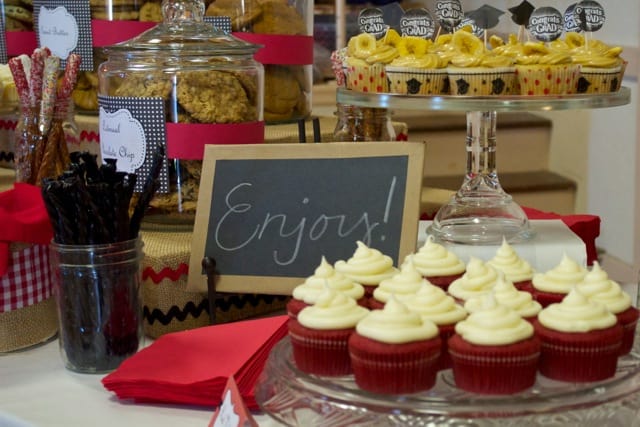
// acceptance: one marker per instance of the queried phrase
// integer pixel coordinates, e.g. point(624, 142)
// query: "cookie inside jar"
point(18, 15)
point(284, 25)
point(211, 88)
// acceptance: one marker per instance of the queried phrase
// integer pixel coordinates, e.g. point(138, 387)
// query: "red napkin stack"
point(192, 367)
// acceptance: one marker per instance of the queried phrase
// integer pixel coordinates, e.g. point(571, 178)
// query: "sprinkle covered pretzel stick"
point(35, 76)
point(20, 78)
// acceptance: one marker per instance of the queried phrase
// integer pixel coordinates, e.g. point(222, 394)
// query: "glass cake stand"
point(295, 398)
point(481, 212)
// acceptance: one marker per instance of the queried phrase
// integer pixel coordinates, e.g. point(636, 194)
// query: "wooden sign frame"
point(216, 156)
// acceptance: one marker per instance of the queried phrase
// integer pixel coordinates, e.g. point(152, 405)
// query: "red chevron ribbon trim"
point(165, 273)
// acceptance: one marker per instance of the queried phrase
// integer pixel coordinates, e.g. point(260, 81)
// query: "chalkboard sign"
point(268, 213)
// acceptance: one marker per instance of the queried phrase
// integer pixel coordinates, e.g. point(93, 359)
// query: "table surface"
point(36, 390)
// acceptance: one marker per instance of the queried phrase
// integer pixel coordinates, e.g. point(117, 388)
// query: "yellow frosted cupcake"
point(416, 71)
point(366, 60)
point(541, 70)
point(475, 71)
point(601, 67)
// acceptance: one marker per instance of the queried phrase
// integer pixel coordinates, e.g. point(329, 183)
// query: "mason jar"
point(212, 91)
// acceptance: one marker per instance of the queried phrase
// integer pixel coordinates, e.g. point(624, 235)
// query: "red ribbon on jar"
point(187, 140)
point(280, 49)
point(106, 33)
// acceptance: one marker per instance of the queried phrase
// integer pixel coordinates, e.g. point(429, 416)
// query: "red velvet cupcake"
point(435, 305)
point(320, 334)
point(307, 293)
point(437, 264)
point(553, 285)
point(515, 269)
point(597, 285)
point(407, 282)
point(394, 351)
point(494, 351)
point(581, 340)
point(367, 266)
point(507, 294)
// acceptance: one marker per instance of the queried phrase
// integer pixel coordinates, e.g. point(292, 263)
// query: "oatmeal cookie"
point(151, 12)
point(145, 86)
point(118, 10)
point(214, 97)
point(85, 94)
point(281, 93)
point(279, 18)
point(242, 13)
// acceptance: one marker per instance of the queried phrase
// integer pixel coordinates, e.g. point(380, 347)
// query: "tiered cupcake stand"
point(480, 213)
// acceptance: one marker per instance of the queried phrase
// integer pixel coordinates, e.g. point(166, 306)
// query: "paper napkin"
point(192, 367)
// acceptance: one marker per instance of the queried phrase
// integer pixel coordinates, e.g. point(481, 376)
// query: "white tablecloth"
point(37, 390)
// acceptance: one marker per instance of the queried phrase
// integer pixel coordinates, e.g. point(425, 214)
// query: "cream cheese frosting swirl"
point(494, 324)
point(478, 279)
point(407, 281)
point(509, 262)
point(507, 294)
point(332, 310)
point(396, 324)
point(560, 279)
point(597, 285)
point(433, 259)
point(576, 313)
point(433, 303)
point(367, 266)
point(323, 275)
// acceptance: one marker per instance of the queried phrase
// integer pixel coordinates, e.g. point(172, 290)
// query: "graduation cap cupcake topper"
point(417, 22)
point(520, 14)
point(546, 23)
point(449, 14)
point(571, 24)
point(589, 15)
point(371, 20)
point(485, 16)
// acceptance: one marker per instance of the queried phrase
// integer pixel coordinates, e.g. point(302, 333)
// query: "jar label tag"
point(131, 130)
point(64, 26)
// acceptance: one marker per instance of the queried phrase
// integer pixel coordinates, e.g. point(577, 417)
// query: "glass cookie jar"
point(285, 29)
point(212, 90)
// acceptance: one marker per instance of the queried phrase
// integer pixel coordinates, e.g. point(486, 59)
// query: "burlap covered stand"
point(168, 307)
point(28, 311)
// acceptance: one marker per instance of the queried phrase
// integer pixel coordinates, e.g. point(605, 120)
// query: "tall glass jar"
point(42, 150)
point(211, 86)
point(285, 29)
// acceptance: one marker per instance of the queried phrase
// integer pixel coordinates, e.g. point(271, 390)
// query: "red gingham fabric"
point(27, 280)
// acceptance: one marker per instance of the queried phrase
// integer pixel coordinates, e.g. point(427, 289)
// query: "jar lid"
point(183, 32)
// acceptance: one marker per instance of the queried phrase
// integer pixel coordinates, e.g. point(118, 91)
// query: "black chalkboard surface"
point(268, 213)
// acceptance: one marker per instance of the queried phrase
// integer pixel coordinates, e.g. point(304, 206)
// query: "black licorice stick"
point(52, 211)
point(149, 190)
